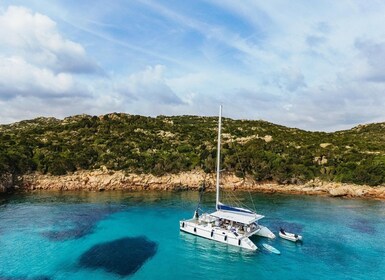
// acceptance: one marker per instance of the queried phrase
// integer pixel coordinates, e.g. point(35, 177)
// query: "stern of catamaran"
point(265, 232)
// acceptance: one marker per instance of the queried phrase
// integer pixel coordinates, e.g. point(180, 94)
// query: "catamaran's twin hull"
point(217, 234)
point(265, 232)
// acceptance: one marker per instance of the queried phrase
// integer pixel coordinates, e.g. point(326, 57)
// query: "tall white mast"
point(219, 154)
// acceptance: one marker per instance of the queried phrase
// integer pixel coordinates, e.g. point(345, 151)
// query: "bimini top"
point(238, 217)
point(242, 218)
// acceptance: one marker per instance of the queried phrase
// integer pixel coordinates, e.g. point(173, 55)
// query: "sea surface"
point(135, 235)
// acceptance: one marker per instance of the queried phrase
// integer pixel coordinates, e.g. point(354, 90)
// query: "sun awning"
point(242, 218)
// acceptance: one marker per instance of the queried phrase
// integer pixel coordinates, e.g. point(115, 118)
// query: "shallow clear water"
point(125, 235)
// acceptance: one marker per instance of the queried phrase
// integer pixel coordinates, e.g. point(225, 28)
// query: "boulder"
point(359, 192)
point(6, 182)
point(339, 191)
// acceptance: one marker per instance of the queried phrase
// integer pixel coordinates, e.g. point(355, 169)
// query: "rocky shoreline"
point(104, 180)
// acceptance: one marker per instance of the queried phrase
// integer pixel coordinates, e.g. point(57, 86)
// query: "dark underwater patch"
point(75, 233)
point(76, 222)
point(338, 252)
point(123, 256)
point(362, 226)
point(275, 225)
point(25, 278)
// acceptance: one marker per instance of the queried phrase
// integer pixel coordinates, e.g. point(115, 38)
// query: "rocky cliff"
point(165, 144)
point(100, 180)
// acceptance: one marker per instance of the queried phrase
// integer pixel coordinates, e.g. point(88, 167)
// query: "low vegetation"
point(139, 144)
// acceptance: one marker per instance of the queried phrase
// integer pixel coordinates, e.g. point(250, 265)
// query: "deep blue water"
point(125, 235)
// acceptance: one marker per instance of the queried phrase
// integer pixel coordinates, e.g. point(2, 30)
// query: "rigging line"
point(242, 204)
point(252, 201)
point(236, 201)
point(228, 193)
point(201, 190)
point(242, 169)
point(230, 197)
point(225, 195)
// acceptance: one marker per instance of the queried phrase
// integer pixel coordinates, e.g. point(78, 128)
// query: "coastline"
point(105, 180)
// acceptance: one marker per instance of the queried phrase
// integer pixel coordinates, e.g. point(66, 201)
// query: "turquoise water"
point(124, 235)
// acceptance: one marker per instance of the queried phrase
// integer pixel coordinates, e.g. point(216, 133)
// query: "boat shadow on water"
point(123, 256)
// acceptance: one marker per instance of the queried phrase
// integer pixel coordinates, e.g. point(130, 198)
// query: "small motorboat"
point(289, 236)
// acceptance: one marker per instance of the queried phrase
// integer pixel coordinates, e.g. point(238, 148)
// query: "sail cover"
point(224, 207)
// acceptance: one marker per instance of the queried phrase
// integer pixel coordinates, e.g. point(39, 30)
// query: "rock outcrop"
point(6, 182)
point(103, 179)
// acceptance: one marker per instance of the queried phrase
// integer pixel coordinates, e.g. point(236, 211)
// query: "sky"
point(314, 65)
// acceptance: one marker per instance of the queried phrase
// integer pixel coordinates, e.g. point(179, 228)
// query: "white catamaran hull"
point(265, 232)
point(217, 234)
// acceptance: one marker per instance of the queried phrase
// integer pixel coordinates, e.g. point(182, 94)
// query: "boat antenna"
point(218, 155)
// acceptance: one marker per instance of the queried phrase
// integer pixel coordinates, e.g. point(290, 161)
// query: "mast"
point(218, 154)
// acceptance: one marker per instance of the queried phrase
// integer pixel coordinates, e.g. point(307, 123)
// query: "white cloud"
point(313, 66)
point(373, 54)
point(35, 37)
point(38, 67)
point(18, 77)
point(149, 85)
point(290, 79)
point(36, 60)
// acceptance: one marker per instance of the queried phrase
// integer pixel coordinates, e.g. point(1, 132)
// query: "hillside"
point(160, 145)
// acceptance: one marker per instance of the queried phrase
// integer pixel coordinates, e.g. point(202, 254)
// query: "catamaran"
point(228, 224)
